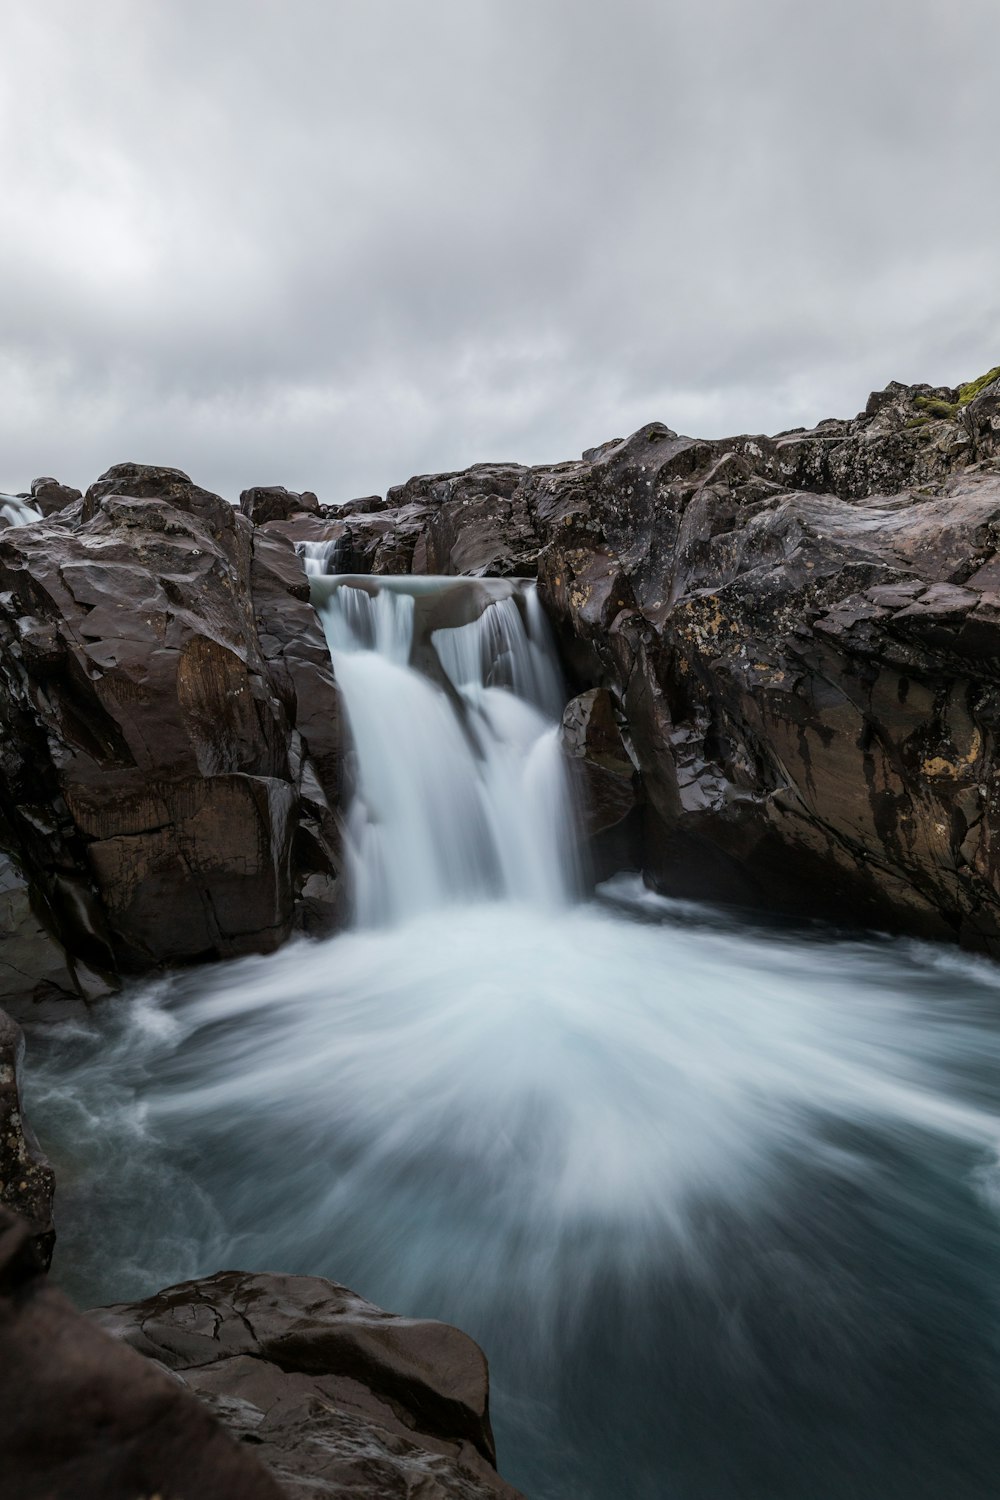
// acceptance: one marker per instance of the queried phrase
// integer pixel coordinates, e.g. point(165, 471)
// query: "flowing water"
point(721, 1202)
point(17, 512)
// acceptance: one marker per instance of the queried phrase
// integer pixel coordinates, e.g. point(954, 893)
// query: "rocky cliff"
point(799, 637)
point(785, 649)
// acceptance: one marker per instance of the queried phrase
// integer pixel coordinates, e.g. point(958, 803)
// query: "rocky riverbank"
point(797, 638)
point(784, 658)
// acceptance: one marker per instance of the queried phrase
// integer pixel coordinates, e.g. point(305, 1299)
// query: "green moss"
point(935, 407)
point(969, 392)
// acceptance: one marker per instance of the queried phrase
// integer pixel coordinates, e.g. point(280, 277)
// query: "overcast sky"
point(332, 243)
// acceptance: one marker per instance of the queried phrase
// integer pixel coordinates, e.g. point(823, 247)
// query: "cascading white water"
point(18, 512)
point(461, 790)
point(318, 557)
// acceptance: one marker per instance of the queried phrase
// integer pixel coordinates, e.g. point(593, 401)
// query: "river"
point(720, 1199)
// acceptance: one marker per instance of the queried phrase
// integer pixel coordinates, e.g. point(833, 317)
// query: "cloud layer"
point(332, 243)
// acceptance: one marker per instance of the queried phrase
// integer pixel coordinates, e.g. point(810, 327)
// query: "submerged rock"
point(336, 1396)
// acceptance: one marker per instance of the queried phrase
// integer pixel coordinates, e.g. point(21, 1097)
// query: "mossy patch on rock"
point(936, 406)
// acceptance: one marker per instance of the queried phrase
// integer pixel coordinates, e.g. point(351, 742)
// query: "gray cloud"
point(334, 242)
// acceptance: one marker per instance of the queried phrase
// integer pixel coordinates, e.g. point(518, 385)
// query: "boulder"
point(83, 1417)
point(336, 1396)
point(49, 496)
point(27, 1182)
point(170, 731)
point(273, 502)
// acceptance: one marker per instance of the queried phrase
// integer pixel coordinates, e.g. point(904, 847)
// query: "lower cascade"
point(720, 1201)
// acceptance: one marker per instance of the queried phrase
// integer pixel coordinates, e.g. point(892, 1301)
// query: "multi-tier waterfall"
point(453, 698)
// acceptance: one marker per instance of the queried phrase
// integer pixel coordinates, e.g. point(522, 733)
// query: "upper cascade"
point(15, 511)
point(453, 698)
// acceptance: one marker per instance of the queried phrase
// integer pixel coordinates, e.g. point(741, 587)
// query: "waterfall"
point(452, 695)
point(320, 558)
point(14, 511)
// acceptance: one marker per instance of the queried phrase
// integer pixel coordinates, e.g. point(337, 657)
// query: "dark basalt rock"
point(592, 738)
point(170, 741)
point(337, 1396)
point(799, 635)
point(802, 633)
point(49, 496)
point(34, 967)
point(83, 1417)
point(274, 503)
point(27, 1182)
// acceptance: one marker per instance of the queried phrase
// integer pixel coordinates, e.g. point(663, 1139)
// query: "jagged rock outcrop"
point(27, 1181)
point(798, 635)
point(475, 522)
point(802, 634)
point(83, 1417)
point(335, 1395)
point(170, 741)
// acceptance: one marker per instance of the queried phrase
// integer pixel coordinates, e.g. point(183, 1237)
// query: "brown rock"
point(803, 633)
point(83, 1417)
point(170, 727)
point(49, 496)
point(593, 741)
point(336, 1395)
point(274, 503)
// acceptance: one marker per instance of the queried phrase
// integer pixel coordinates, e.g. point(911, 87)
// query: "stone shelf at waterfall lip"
point(441, 601)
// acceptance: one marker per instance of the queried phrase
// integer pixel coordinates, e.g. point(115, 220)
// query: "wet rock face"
point(83, 1417)
point(34, 967)
point(801, 633)
point(169, 722)
point(27, 1182)
point(798, 634)
point(592, 739)
point(335, 1395)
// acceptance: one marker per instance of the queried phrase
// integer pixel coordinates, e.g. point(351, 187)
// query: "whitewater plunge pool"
point(721, 1203)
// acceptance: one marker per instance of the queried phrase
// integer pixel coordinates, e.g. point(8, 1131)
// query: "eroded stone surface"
point(336, 1396)
point(170, 733)
point(83, 1417)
